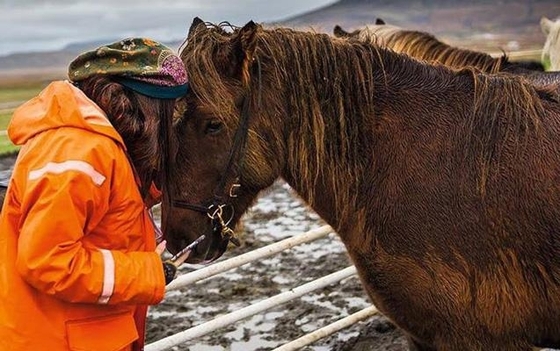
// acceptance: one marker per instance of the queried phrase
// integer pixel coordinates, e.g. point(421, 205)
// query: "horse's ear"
point(546, 24)
point(244, 44)
point(246, 39)
point(379, 21)
point(339, 32)
point(196, 24)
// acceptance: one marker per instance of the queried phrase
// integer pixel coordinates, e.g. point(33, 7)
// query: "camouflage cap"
point(141, 64)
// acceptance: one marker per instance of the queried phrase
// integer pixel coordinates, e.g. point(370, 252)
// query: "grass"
point(5, 119)
point(6, 146)
point(16, 89)
point(11, 94)
point(18, 94)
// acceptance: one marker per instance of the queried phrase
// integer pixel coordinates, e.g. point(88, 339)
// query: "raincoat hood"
point(60, 104)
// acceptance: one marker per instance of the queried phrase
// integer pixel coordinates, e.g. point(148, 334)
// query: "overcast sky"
point(43, 25)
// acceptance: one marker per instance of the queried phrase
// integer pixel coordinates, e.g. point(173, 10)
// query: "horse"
point(425, 46)
point(551, 48)
point(443, 184)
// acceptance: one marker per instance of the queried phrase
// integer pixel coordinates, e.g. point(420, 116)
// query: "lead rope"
point(225, 230)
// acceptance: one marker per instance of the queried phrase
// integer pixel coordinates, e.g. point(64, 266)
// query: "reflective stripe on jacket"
point(77, 260)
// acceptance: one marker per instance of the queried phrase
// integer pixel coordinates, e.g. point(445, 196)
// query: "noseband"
point(219, 209)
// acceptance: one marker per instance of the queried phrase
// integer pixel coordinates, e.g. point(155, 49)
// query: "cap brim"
point(152, 90)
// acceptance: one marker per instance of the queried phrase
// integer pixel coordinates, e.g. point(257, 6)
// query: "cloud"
point(34, 25)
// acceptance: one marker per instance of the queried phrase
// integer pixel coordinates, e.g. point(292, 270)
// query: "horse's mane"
point(425, 46)
point(334, 87)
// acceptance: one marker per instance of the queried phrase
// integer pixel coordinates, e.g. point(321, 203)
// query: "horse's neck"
point(336, 184)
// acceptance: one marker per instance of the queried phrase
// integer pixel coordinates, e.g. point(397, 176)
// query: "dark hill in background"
point(489, 26)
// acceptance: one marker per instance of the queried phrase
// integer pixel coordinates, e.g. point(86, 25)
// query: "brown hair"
point(144, 123)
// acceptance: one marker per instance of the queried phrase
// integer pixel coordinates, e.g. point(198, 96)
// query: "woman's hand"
point(170, 267)
point(160, 249)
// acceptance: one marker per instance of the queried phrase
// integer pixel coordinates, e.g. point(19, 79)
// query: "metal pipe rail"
point(225, 320)
point(189, 278)
point(328, 329)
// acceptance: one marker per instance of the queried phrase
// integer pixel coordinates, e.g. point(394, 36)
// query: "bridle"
point(219, 209)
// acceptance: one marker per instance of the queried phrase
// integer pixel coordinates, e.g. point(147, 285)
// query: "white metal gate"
point(224, 320)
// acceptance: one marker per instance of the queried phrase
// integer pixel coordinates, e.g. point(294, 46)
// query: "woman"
point(78, 258)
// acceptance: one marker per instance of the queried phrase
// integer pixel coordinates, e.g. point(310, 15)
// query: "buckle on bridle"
point(233, 190)
point(215, 213)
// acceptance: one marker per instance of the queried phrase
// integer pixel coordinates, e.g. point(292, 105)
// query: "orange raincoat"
point(77, 260)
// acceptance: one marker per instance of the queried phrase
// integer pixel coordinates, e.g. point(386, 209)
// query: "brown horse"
point(425, 46)
point(443, 184)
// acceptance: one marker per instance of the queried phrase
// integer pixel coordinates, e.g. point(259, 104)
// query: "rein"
point(220, 211)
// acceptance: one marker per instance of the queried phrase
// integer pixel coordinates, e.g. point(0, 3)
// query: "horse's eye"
point(213, 127)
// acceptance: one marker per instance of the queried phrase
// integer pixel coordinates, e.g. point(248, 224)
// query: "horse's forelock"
point(200, 56)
